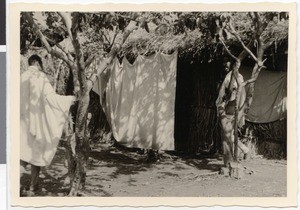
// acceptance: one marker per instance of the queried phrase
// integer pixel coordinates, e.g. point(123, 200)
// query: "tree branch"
point(102, 32)
point(259, 24)
point(251, 15)
point(114, 38)
point(43, 39)
point(66, 18)
point(231, 29)
point(227, 50)
point(36, 48)
point(68, 55)
point(244, 53)
point(253, 79)
point(257, 20)
point(89, 60)
point(101, 65)
point(78, 52)
point(243, 45)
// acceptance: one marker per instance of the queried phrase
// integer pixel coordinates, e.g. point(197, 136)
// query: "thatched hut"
point(199, 75)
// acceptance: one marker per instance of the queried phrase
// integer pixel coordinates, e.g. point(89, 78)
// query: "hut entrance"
point(196, 125)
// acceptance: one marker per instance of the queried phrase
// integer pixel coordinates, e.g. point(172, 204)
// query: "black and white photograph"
point(153, 103)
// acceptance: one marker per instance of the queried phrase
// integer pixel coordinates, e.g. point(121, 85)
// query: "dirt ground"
point(125, 173)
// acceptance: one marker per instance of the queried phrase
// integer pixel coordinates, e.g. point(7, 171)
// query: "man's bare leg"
point(35, 172)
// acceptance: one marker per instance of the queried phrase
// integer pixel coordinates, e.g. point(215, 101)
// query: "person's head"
point(35, 60)
point(227, 65)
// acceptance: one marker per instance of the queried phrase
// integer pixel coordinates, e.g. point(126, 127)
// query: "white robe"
point(43, 115)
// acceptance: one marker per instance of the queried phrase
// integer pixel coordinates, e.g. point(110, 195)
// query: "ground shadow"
point(109, 163)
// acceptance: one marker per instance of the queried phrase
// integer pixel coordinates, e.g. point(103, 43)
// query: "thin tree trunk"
point(255, 72)
point(259, 28)
point(82, 148)
point(235, 133)
point(235, 73)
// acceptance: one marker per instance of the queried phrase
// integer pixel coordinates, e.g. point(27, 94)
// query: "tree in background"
point(266, 29)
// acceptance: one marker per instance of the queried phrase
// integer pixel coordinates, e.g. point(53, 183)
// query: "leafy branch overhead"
point(195, 34)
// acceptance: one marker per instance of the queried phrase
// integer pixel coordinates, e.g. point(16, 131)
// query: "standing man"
point(43, 114)
point(226, 109)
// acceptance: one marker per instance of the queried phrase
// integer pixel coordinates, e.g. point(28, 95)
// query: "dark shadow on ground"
point(48, 185)
point(117, 161)
point(199, 161)
point(126, 163)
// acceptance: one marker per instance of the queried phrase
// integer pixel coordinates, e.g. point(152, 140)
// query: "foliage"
point(195, 34)
point(27, 37)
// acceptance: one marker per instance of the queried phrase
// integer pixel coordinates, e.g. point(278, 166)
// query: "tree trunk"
point(255, 73)
point(236, 110)
point(234, 169)
point(82, 148)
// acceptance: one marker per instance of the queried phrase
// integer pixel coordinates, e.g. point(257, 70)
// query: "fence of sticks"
point(267, 139)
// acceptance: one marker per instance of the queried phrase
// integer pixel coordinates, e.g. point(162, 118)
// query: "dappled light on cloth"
point(43, 115)
point(269, 100)
point(140, 101)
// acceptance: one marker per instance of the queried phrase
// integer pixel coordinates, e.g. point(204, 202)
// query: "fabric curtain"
point(140, 101)
point(270, 94)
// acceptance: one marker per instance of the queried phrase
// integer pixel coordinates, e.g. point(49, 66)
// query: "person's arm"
point(56, 101)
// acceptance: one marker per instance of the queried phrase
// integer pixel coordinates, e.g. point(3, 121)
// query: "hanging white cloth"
point(140, 101)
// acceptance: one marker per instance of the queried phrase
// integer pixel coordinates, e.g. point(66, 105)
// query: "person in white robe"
point(43, 114)
point(226, 107)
